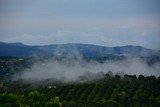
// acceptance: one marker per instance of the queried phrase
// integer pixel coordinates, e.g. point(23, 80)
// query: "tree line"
point(111, 91)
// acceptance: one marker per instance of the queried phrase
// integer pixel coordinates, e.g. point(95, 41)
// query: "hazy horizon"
point(75, 44)
point(99, 22)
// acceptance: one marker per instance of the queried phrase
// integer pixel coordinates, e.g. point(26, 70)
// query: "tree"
point(109, 75)
point(141, 97)
point(54, 102)
point(35, 99)
point(10, 99)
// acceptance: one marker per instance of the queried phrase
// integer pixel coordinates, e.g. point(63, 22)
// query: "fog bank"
point(71, 69)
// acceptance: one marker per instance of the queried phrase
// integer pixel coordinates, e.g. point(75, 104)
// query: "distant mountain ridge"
point(86, 50)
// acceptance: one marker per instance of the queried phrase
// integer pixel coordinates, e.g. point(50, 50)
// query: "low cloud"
point(71, 69)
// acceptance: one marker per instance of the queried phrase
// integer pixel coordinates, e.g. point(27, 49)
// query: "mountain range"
point(86, 50)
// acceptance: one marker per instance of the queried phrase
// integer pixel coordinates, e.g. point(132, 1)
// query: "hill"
point(85, 50)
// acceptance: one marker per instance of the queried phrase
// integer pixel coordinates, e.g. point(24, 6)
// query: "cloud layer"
point(70, 69)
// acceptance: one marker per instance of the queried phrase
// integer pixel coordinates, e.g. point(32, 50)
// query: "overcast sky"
point(100, 22)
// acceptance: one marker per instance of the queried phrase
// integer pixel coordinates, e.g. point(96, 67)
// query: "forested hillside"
point(112, 91)
point(63, 50)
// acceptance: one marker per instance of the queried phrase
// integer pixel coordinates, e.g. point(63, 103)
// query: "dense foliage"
point(112, 91)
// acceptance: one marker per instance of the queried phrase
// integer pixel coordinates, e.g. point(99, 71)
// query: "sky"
point(99, 22)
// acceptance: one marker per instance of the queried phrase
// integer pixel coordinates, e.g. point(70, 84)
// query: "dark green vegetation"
point(112, 91)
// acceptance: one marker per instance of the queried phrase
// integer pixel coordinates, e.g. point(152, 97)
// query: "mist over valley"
point(69, 62)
